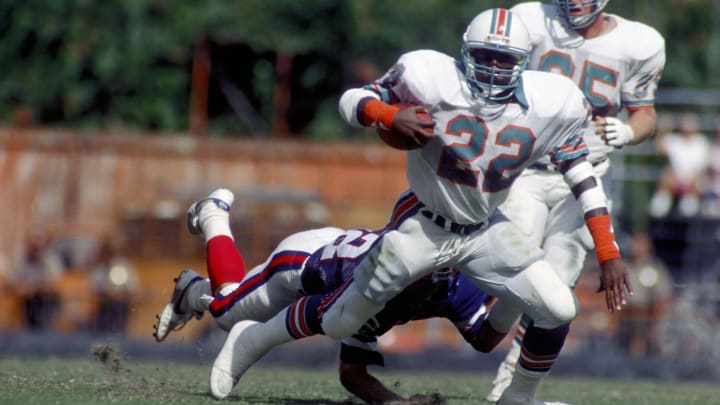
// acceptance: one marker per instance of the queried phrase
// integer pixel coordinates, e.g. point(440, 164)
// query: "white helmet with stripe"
point(495, 51)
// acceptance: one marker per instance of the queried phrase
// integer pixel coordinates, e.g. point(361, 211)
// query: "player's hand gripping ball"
point(398, 140)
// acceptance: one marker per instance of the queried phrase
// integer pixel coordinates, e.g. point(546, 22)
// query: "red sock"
point(224, 263)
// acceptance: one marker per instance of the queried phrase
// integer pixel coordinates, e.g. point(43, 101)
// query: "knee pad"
point(349, 313)
point(558, 303)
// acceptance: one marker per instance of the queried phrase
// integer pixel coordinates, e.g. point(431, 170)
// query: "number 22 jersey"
point(480, 147)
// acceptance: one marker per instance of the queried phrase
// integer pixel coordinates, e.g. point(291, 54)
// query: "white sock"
point(513, 354)
point(273, 332)
point(214, 222)
point(523, 387)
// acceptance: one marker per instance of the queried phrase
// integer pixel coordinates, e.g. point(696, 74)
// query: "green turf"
point(119, 381)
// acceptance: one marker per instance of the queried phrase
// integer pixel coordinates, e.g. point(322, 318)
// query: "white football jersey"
point(479, 148)
point(619, 69)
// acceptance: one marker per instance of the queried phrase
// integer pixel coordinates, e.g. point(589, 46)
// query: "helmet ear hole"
point(495, 52)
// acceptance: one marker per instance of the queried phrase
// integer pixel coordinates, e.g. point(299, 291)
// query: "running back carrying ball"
point(399, 141)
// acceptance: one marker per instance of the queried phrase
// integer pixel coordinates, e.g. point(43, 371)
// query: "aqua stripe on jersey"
point(573, 148)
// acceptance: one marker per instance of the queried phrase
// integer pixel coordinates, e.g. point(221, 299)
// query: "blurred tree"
point(273, 65)
point(73, 61)
point(692, 21)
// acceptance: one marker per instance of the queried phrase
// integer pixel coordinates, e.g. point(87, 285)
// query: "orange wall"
point(93, 184)
point(88, 183)
point(80, 184)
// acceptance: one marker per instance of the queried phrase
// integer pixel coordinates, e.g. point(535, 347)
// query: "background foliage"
point(127, 64)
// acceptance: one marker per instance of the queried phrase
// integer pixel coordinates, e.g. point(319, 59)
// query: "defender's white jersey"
point(618, 69)
point(479, 148)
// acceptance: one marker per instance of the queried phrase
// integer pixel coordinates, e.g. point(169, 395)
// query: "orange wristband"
point(601, 230)
point(376, 112)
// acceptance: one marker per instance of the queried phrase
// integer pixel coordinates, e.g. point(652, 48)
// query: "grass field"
point(106, 378)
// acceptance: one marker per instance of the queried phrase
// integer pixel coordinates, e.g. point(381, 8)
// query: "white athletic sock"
point(513, 354)
point(214, 222)
point(273, 332)
point(523, 387)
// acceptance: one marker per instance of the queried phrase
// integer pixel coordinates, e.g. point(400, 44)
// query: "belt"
point(451, 226)
point(552, 168)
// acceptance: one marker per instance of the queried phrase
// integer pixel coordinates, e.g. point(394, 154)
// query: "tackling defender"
point(617, 64)
point(492, 119)
point(317, 262)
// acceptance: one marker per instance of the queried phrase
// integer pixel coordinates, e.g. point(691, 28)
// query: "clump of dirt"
point(107, 354)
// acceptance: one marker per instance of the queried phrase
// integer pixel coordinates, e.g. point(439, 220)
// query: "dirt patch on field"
point(108, 355)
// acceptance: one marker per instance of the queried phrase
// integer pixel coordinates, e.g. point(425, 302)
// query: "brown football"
point(399, 141)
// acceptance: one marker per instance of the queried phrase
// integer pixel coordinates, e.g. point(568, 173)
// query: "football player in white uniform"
point(492, 119)
point(617, 64)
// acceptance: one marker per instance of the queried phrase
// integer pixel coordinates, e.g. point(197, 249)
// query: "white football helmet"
point(495, 51)
point(567, 7)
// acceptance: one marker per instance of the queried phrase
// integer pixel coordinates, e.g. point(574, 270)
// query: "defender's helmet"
point(495, 51)
point(568, 7)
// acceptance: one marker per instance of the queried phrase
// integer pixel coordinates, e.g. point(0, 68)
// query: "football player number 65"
point(592, 74)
